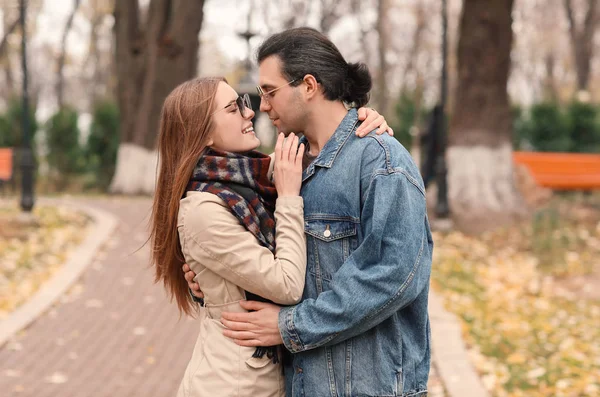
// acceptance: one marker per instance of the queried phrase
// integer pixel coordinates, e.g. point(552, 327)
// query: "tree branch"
point(582, 40)
point(329, 15)
point(571, 18)
point(415, 49)
point(591, 20)
point(60, 83)
point(11, 28)
point(166, 14)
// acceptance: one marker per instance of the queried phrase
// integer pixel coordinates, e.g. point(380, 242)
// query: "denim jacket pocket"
point(330, 241)
point(329, 230)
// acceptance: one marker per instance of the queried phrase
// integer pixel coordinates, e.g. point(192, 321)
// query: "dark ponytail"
point(305, 51)
point(358, 85)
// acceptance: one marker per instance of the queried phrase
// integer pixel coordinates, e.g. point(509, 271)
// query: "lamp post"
point(247, 84)
point(442, 209)
point(27, 160)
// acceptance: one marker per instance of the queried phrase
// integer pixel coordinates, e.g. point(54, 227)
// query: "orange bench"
point(6, 165)
point(562, 171)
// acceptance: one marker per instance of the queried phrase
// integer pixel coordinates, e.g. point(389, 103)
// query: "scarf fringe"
point(272, 353)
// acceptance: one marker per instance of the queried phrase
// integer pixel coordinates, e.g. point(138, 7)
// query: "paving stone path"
point(114, 334)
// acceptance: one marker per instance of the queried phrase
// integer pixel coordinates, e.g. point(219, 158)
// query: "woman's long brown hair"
point(185, 127)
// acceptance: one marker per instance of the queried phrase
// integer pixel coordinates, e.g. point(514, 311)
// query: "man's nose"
point(265, 106)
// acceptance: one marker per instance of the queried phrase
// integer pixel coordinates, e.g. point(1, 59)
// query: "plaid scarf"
point(242, 182)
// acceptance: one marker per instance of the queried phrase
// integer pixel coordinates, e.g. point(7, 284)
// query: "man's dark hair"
point(305, 51)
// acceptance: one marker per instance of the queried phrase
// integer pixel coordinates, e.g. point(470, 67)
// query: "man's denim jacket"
point(362, 328)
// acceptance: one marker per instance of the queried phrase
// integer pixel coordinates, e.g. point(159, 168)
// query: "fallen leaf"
point(12, 373)
point(94, 303)
point(139, 331)
point(56, 378)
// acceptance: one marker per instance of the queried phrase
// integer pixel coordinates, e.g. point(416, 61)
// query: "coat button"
point(327, 232)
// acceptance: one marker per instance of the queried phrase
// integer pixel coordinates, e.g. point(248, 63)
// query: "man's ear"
point(311, 86)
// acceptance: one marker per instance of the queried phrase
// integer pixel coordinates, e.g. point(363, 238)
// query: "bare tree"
point(582, 40)
point(10, 45)
point(5, 56)
point(93, 58)
point(296, 12)
point(383, 46)
point(550, 91)
point(99, 62)
point(296, 15)
point(357, 9)
point(10, 30)
point(60, 79)
point(330, 14)
point(481, 187)
point(152, 59)
point(411, 68)
point(365, 30)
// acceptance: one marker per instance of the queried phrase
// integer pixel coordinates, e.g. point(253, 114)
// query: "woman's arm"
point(214, 238)
point(371, 120)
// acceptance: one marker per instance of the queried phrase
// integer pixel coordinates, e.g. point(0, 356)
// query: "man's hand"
point(194, 287)
point(258, 328)
point(372, 119)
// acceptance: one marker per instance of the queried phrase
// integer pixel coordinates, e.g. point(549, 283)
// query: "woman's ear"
point(210, 139)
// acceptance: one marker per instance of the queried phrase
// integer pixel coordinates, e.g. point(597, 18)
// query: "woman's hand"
point(372, 119)
point(287, 172)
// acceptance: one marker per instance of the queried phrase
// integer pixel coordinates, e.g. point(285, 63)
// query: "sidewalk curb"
point(104, 225)
point(450, 354)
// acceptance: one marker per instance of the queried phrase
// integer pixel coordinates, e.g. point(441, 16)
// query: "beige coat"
point(228, 260)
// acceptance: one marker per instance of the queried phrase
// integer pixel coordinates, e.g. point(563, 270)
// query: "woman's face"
point(233, 132)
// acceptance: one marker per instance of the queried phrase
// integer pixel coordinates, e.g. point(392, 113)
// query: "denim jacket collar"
point(329, 152)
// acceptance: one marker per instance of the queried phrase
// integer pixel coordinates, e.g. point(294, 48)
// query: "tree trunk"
point(582, 41)
point(417, 39)
point(383, 44)
point(60, 80)
point(357, 7)
point(152, 60)
point(480, 168)
point(93, 60)
point(5, 56)
point(550, 92)
point(9, 80)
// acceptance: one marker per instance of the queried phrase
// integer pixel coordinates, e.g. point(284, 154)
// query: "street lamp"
point(247, 84)
point(442, 209)
point(26, 155)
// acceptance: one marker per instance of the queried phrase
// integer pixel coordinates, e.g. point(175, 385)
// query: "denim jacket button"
point(327, 232)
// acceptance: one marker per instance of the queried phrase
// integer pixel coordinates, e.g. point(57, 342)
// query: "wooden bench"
point(6, 166)
point(562, 171)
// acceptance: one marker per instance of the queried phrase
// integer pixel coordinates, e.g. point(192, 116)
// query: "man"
point(362, 327)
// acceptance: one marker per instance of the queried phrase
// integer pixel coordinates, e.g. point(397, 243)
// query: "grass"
point(29, 255)
point(526, 338)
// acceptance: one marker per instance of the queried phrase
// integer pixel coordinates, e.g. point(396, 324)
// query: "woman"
point(215, 209)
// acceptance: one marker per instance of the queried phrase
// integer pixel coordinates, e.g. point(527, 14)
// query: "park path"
point(114, 334)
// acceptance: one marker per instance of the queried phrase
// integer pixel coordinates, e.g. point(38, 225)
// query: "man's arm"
point(384, 274)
